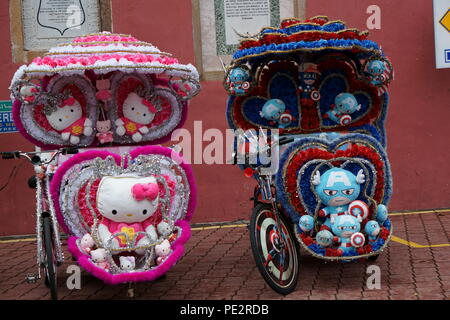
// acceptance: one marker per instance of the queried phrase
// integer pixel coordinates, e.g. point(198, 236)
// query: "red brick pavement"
point(218, 264)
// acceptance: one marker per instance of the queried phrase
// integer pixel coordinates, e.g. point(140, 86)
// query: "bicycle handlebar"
point(33, 156)
point(11, 155)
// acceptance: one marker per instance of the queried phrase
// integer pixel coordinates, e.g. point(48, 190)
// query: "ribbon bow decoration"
point(141, 191)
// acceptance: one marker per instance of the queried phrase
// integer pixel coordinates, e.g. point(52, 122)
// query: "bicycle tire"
point(373, 258)
point(262, 222)
point(50, 260)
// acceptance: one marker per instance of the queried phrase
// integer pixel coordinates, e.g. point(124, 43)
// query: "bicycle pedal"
point(32, 278)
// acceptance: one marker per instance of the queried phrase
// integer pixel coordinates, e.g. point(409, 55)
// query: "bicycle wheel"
point(373, 258)
point(50, 260)
point(278, 264)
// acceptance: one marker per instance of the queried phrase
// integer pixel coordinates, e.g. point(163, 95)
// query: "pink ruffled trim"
point(88, 60)
point(106, 37)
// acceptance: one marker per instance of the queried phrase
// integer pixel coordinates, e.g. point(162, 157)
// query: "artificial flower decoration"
point(308, 65)
point(105, 75)
point(324, 87)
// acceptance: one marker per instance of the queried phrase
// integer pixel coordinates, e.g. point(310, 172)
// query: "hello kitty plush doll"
point(162, 250)
point(138, 113)
point(98, 257)
point(127, 203)
point(127, 263)
point(104, 133)
point(66, 117)
point(86, 243)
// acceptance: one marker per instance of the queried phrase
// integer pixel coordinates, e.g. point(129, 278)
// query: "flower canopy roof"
point(97, 74)
point(312, 35)
point(105, 52)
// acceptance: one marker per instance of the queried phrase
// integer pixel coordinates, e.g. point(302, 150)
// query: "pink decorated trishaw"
point(98, 107)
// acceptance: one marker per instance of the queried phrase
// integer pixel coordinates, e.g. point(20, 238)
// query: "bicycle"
point(49, 252)
point(274, 248)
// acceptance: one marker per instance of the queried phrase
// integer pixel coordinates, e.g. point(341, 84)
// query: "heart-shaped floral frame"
point(352, 152)
point(73, 174)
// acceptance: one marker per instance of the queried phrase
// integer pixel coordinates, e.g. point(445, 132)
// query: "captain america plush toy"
point(338, 189)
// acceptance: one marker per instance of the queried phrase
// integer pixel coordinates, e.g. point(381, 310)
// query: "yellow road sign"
point(445, 20)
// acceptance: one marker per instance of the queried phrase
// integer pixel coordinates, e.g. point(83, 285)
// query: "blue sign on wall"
point(6, 118)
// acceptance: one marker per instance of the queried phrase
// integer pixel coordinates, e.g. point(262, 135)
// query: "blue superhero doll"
point(309, 95)
point(338, 190)
point(306, 223)
point(372, 230)
point(344, 105)
point(274, 110)
point(238, 81)
point(346, 228)
point(375, 70)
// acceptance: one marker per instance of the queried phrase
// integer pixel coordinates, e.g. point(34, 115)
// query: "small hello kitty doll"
point(86, 243)
point(28, 93)
point(126, 203)
point(162, 250)
point(104, 133)
point(98, 256)
point(66, 117)
point(127, 263)
point(138, 113)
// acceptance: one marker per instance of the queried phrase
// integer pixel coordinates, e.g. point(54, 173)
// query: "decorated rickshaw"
point(124, 201)
point(315, 92)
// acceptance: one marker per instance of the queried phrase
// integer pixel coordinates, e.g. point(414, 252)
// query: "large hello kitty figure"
point(126, 204)
point(138, 113)
point(67, 119)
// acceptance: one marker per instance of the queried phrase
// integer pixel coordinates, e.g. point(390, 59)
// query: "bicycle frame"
point(265, 186)
point(44, 204)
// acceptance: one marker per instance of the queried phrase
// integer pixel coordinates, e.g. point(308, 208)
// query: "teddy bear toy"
point(98, 257)
point(127, 263)
point(138, 113)
point(67, 119)
point(372, 230)
point(127, 204)
point(103, 93)
point(346, 228)
point(86, 243)
point(162, 250)
point(104, 133)
point(274, 111)
point(164, 229)
point(338, 189)
point(344, 105)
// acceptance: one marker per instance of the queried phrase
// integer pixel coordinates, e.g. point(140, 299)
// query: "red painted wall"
point(419, 147)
